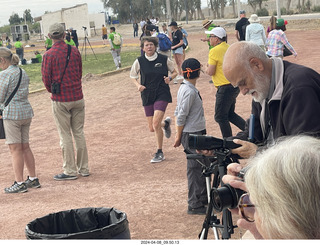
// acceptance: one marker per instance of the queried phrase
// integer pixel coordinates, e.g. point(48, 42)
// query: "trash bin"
point(83, 223)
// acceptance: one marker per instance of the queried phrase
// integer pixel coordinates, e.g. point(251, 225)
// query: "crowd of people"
point(283, 167)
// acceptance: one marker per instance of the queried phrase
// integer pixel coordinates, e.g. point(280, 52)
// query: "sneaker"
point(201, 210)
point(16, 188)
point(64, 177)
point(158, 157)
point(117, 68)
point(167, 128)
point(84, 174)
point(32, 183)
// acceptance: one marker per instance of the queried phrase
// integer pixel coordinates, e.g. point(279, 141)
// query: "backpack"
point(116, 39)
point(164, 42)
point(244, 27)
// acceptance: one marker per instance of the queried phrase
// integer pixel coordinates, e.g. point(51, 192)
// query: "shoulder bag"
point(2, 133)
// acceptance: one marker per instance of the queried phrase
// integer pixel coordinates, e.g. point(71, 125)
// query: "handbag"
point(2, 132)
point(286, 51)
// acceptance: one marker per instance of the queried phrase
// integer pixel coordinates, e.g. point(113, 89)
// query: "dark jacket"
point(298, 111)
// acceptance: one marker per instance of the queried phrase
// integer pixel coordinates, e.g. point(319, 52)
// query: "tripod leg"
point(91, 48)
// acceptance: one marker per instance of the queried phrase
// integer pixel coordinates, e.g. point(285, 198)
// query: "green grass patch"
point(94, 64)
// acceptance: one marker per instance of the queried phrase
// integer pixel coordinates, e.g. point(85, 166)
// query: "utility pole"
point(278, 9)
point(168, 11)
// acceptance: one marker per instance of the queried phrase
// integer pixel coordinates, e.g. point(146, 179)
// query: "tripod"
point(218, 167)
point(84, 45)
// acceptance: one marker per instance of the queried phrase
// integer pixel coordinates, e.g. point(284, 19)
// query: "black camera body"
point(226, 196)
point(84, 28)
point(55, 88)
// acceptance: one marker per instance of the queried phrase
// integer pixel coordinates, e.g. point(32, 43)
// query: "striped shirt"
point(53, 65)
point(19, 107)
point(275, 41)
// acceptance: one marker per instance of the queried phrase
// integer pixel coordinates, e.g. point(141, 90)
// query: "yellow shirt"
point(216, 56)
point(104, 30)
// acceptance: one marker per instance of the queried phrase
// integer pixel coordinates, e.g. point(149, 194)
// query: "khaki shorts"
point(17, 131)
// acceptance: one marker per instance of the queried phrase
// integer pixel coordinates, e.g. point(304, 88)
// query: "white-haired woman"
point(283, 190)
point(17, 117)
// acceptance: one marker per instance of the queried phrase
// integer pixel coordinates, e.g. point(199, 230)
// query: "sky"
point(38, 7)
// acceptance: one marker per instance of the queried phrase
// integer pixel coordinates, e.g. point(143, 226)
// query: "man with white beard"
point(286, 96)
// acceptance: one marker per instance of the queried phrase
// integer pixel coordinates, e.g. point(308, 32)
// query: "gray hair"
point(243, 52)
point(8, 55)
point(284, 184)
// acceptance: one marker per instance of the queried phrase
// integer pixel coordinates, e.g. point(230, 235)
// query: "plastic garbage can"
point(83, 223)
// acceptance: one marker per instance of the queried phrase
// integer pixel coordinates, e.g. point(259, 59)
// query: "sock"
point(19, 183)
point(159, 151)
point(32, 178)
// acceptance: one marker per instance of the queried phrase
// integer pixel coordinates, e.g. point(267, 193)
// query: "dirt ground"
point(154, 196)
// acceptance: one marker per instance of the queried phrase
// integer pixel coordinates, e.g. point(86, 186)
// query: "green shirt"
point(70, 43)
point(208, 35)
point(39, 57)
point(48, 43)
point(18, 44)
point(111, 37)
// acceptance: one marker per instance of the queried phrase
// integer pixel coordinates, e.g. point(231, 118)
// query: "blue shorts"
point(178, 50)
point(157, 106)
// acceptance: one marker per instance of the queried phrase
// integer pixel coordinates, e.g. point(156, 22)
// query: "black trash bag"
point(84, 223)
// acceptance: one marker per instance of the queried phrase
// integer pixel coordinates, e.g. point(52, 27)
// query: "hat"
point(206, 22)
point(280, 22)
point(217, 31)
point(254, 18)
point(180, 25)
point(242, 11)
point(173, 23)
point(56, 30)
point(164, 24)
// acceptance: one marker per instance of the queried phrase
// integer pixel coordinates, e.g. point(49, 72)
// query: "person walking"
point(277, 41)
point(135, 29)
point(154, 88)
point(241, 26)
point(115, 40)
point(61, 74)
point(17, 117)
point(177, 47)
point(190, 119)
point(226, 94)
point(255, 32)
point(104, 31)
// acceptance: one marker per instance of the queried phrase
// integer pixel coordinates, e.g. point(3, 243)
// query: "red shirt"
point(53, 65)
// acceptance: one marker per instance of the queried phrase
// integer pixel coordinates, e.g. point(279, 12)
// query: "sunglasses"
point(247, 209)
point(212, 36)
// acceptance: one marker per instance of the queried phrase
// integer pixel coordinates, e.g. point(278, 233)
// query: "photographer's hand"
point(246, 150)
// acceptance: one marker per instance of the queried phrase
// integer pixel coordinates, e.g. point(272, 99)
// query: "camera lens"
point(225, 197)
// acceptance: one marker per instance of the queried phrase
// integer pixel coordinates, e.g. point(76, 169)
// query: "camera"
point(84, 28)
point(55, 88)
point(226, 196)
point(203, 142)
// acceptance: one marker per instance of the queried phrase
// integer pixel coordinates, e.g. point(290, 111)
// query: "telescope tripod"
point(217, 167)
point(84, 45)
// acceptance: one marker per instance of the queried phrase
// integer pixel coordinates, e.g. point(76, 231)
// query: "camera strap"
point(67, 62)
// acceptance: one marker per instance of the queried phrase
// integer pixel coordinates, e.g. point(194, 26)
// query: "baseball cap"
point(173, 23)
point(217, 31)
point(242, 11)
point(281, 22)
point(56, 30)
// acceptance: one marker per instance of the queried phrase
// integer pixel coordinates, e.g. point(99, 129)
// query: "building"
point(76, 17)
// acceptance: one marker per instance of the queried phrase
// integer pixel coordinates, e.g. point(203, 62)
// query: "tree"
point(27, 16)
point(15, 19)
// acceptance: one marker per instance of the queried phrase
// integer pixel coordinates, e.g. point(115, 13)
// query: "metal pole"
point(186, 9)
point(168, 11)
point(278, 9)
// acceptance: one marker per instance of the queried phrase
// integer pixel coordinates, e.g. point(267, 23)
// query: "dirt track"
point(154, 196)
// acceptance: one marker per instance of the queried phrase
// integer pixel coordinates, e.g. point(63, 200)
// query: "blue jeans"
point(224, 110)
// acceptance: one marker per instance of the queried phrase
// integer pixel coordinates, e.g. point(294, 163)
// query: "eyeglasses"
point(247, 209)
point(212, 36)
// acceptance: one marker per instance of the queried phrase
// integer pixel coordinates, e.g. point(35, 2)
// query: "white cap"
point(217, 31)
